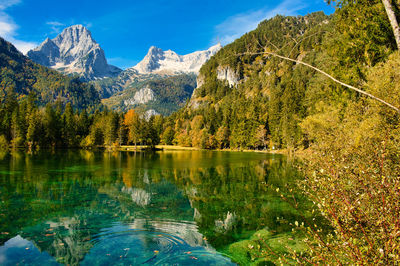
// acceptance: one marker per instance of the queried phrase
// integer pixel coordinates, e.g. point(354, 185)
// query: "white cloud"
point(7, 3)
point(88, 24)
point(55, 26)
point(22, 46)
point(235, 26)
point(8, 28)
point(5, 26)
point(55, 23)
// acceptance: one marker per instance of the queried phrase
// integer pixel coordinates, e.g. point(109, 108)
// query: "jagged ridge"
point(21, 76)
point(74, 51)
point(159, 61)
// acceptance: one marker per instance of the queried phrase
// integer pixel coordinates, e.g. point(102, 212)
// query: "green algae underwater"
point(155, 208)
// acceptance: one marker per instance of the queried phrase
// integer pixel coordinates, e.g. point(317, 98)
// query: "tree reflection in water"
point(68, 207)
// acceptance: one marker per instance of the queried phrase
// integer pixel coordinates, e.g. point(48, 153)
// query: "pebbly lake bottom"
point(126, 208)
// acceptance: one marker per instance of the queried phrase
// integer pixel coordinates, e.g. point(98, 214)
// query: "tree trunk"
point(390, 11)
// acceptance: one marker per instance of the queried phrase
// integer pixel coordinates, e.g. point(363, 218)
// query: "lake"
point(127, 208)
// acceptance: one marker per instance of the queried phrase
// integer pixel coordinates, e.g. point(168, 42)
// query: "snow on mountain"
point(74, 51)
point(169, 62)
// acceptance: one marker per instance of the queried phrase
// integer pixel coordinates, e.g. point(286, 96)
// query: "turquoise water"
point(126, 208)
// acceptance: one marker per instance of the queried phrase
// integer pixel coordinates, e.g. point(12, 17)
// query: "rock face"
point(169, 62)
point(200, 81)
point(156, 65)
point(163, 94)
point(142, 96)
point(149, 113)
point(74, 51)
point(226, 73)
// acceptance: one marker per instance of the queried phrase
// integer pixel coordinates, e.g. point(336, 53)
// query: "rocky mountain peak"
point(150, 61)
point(47, 43)
point(74, 51)
point(159, 61)
point(74, 36)
point(154, 50)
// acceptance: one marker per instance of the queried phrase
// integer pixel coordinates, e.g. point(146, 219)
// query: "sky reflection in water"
point(95, 208)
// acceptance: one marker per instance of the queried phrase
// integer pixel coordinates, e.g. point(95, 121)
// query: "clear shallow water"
point(95, 208)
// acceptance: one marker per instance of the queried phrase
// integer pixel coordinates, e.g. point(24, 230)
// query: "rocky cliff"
point(169, 62)
point(74, 51)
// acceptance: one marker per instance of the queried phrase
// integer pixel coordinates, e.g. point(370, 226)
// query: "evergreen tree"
point(69, 130)
point(52, 125)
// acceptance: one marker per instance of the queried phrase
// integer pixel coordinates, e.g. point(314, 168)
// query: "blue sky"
point(125, 29)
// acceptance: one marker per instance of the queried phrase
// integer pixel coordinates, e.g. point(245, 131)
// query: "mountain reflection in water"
point(83, 207)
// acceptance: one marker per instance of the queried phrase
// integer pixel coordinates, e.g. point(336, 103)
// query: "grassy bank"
point(266, 248)
point(182, 148)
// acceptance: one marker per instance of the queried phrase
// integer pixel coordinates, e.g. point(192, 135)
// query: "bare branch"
point(327, 75)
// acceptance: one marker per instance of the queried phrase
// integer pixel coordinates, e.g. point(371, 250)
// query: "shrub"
point(353, 175)
point(3, 143)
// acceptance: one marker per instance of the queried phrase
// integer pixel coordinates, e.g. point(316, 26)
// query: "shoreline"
point(182, 148)
point(141, 148)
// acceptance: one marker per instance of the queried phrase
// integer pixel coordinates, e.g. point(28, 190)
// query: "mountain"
point(169, 62)
point(162, 95)
point(129, 78)
point(74, 51)
point(157, 70)
point(21, 76)
point(247, 99)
